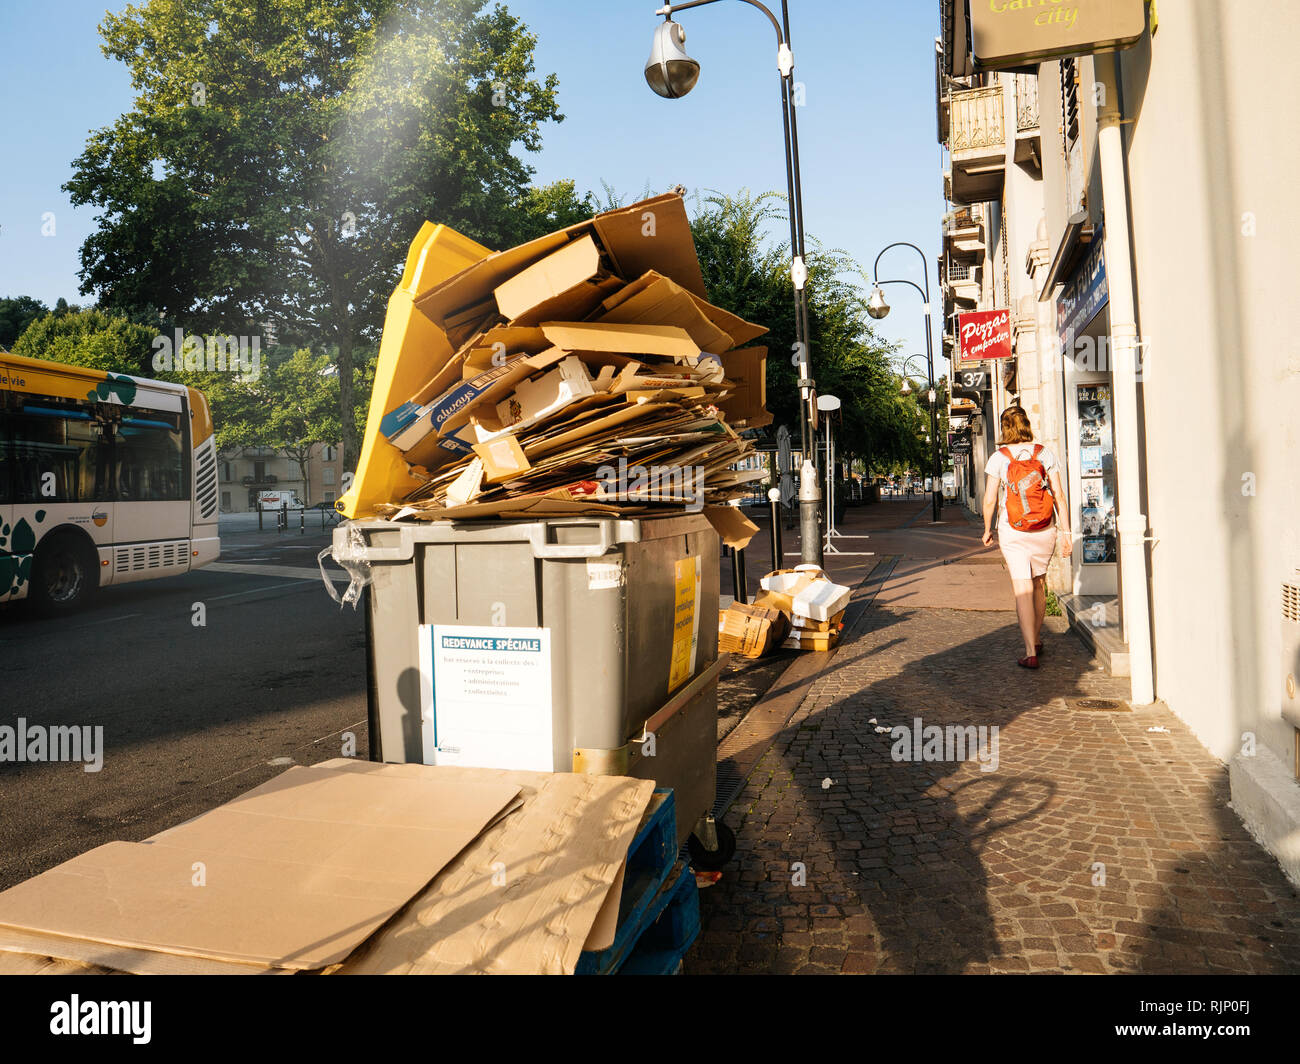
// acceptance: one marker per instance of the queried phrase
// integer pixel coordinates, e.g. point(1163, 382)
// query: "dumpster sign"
point(486, 696)
point(686, 621)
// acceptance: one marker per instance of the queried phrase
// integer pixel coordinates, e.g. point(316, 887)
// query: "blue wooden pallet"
point(650, 860)
point(664, 943)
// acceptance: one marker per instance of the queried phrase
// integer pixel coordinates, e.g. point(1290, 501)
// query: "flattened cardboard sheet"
point(561, 854)
point(295, 874)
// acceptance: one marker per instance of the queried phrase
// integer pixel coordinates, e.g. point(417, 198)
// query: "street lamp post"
point(672, 74)
point(878, 308)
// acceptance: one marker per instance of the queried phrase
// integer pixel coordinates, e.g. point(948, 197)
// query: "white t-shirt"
point(998, 464)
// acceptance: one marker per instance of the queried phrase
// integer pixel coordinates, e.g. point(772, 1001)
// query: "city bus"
point(105, 479)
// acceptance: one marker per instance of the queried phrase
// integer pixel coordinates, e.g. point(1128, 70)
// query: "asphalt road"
point(192, 716)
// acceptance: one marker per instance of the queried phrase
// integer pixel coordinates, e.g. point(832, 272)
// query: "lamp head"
point(876, 305)
point(669, 70)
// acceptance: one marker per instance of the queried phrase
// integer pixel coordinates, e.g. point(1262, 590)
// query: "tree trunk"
point(351, 445)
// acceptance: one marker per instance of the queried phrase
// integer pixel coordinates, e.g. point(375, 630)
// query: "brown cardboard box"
point(804, 640)
point(750, 630)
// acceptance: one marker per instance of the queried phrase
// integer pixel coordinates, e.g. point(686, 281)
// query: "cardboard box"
point(805, 640)
point(652, 235)
point(809, 625)
point(656, 300)
point(746, 372)
point(451, 409)
point(810, 592)
point(750, 630)
point(549, 277)
point(503, 459)
point(536, 398)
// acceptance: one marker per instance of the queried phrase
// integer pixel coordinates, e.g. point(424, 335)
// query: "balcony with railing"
point(960, 283)
point(977, 144)
point(1028, 139)
point(963, 232)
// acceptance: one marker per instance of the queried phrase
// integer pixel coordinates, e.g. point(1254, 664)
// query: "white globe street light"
point(670, 71)
point(876, 305)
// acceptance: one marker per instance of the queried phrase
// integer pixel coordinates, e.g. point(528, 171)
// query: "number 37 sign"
point(983, 334)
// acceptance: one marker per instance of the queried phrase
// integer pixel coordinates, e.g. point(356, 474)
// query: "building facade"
point(1131, 209)
point(254, 469)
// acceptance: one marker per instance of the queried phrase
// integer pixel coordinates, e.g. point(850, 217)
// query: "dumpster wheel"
point(704, 857)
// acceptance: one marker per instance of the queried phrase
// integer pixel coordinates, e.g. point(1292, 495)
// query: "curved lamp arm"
point(668, 9)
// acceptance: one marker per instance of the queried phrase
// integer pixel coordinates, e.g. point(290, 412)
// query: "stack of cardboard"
point(347, 866)
point(750, 630)
point(813, 604)
point(583, 372)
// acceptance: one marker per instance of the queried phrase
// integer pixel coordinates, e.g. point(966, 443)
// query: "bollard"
point(740, 575)
point(810, 505)
point(302, 521)
point(737, 576)
point(259, 517)
point(774, 504)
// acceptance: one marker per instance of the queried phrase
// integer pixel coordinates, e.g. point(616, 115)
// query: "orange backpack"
point(1030, 504)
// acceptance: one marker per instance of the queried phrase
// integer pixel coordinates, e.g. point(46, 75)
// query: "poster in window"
point(1097, 473)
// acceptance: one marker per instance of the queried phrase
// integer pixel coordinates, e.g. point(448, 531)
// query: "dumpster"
point(571, 645)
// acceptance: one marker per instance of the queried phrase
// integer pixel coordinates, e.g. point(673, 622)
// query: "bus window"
point(59, 455)
point(151, 458)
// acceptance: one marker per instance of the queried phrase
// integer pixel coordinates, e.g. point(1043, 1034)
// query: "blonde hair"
point(1015, 426)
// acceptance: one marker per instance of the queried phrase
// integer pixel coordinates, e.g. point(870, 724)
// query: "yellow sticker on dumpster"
point(686, 621)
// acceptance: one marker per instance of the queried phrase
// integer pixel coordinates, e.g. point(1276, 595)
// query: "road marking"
point(289, 572)
point(250, 591)
point(106, 620)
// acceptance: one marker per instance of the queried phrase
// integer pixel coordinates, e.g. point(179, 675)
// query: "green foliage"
point(94, 338)
point(16, 314)
point(280, 157)
point(748, 273)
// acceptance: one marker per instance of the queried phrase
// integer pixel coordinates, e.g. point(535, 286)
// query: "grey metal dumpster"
point(575, 645)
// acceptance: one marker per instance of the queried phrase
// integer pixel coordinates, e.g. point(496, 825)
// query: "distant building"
point(256, 469)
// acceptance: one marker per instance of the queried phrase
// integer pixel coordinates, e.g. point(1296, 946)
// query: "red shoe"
point(1029, 662)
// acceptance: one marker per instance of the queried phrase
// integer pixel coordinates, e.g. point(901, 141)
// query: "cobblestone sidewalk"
point(1101, 843)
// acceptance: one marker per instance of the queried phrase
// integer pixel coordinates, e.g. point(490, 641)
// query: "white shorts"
point(1027, 554)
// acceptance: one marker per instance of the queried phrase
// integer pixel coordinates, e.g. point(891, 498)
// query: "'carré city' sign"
point(1013, 33)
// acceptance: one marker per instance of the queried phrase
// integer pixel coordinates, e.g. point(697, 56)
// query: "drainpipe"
point(1131, 523)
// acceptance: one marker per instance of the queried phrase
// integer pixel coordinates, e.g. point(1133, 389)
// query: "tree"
point(94, 338)
point(300, 397)
point(748, 273)
point(280, 157)
point(16, 314)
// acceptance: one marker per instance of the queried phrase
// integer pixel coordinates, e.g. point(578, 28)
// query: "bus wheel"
point(65, 575)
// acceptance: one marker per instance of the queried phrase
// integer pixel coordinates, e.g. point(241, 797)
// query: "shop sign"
point(983, 334)
point(1083, 297)
point(1015, 33)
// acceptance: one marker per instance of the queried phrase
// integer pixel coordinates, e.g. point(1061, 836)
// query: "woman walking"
point(1023, 482)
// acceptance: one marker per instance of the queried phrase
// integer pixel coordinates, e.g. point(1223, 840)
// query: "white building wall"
point(1213, 158)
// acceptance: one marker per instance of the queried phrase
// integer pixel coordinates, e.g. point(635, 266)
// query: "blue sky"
point(870, 161)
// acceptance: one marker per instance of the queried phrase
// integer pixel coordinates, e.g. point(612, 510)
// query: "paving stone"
point(939, 866)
